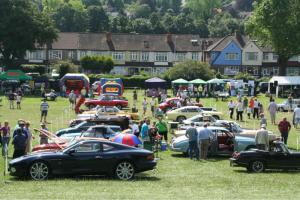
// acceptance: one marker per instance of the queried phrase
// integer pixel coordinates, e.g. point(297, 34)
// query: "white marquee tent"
point(286, 80)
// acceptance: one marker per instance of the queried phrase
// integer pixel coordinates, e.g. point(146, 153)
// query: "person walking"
point(255, 109)
point(296, 116)
point(245, 103)
point(262, 138)
point(29, 138)
point(203, 140)
point(5, 130)
point(72, 99)
point(44, 110)
point(11, 99)
point(18, 100)
point(135, 98)
point(153, 105)
point(263, 120)
point(192, 134)
point(144, 104)
point(251, 104)
point(284, 127)
point(272, 108)
point(43, 137)
point(135, 128)
point(231, 106)
point(239, 111)
point(162, 128)
point(19, 142)
point(290, 102)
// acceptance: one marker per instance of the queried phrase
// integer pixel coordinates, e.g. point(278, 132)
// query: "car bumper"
point(235, 163)
point(150, 165)
point(19, 171)
point(175, 149)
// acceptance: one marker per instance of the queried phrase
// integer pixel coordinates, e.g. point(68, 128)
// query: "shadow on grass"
point(209, 159)
point(138, 177)
point(270, 171)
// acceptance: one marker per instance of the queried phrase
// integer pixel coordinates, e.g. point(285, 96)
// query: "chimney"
point(108, 37)
point(169, 38)
point(239, 38)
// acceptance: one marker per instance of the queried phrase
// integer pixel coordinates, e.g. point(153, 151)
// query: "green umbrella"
point(15, 75)
point(215, 81)
point(180, 81)
point(198, 81)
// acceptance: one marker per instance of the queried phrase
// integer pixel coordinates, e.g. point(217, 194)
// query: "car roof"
point(188, 107)
point(215, 128)
point(104, 125)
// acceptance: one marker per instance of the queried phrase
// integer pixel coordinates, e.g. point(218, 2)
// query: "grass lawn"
point(177, 177)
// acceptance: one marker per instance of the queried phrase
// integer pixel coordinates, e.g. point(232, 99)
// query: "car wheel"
point(257, 166)
point(39, 171)
point(124, 171)
point(180, 119)
point(216, 117)
point(119, 107)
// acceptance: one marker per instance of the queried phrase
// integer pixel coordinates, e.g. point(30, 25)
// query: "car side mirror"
point(71, 151)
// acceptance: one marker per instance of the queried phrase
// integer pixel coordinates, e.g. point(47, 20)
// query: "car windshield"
point(116, 129)
point(236, 128)
point(79, 125)
point(70, 145)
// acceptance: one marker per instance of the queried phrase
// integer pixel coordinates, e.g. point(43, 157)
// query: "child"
point(263, 120)
point(145, 103)
point(249, 112)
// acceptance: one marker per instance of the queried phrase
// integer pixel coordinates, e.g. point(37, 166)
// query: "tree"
point(98, 20)
point(98, 64)
point(223, 24)
point(69, 18)
point(190, 70)
point(88, 3)
point(276, 23)
point(203, 9)
point(64, 67)
point(22, 27)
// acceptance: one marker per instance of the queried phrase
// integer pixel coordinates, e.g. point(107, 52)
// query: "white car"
point(285, 106)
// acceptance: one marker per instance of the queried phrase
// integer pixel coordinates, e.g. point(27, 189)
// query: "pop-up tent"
point(197, 82)
point(216, 81)
point(155, 83)
point(180, 82)
point(15, 75)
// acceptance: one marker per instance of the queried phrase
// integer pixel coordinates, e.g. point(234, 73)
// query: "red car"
point(107, 100)
point(171, 103)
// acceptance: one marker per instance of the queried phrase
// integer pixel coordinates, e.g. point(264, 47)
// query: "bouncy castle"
point(111, 86)
point(75, 82)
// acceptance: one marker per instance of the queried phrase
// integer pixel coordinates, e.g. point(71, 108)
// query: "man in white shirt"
point(272, 108)
point(256, 108)
point(239, 110)
point(231, 106)
point(44, 110)
point(262, 138)
point(296, 117)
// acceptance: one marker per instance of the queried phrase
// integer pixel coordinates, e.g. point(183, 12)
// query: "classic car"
point(183, 113)
point(107, 110)
point(277, 157)
point(99, 131)
point(87, 157)
point(107, 100)
point(122, 121)
point(285, 106)
point(171, 103)
point(223, 142)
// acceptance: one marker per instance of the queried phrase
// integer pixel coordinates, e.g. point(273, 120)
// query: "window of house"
point(133, 56)
point(275, 56)
point(231, 56)
point(231, 70)
point(161, 57)
point(82, 53)
point(118, 55)
point(195, 56)
point(36, 55)
point(179, 56)
point(145, 56)
point(266, 56)
point(251, 56)
point(292, 71)
point(265, 71)
point(55, 54)
point(71, 55)
point(275, 71)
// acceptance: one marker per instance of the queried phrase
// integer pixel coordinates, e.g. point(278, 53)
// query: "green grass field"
point(176, 177)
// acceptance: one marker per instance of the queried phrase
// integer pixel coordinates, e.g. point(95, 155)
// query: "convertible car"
point(85, 158)
point(107, 100)
point(278, 157)
point(223, 142)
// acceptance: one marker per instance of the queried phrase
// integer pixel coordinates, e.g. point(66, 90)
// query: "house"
point(225, 56)
point(252, 57)
point(132, 53)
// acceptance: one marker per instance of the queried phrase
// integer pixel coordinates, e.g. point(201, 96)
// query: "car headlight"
point(13, 169)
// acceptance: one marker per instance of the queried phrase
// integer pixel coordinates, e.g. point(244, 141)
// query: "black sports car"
point(85, 158)
point(278, 157)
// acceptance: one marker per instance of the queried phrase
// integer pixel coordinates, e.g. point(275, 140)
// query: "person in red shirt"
point(284, 127)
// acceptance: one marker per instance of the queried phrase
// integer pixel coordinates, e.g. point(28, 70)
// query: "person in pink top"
point(5, 132)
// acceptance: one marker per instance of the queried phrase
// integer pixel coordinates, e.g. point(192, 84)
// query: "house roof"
point(131, 42)
point(220, 45)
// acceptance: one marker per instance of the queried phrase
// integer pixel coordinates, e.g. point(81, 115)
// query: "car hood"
point(180, 139)
point(35, 155)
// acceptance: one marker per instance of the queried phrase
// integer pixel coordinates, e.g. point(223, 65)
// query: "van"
point(284, 106)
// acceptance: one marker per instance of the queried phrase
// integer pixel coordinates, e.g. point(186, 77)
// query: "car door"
point(279, 158)
point(83, 158)
point(191, 112)
point(109, 157)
